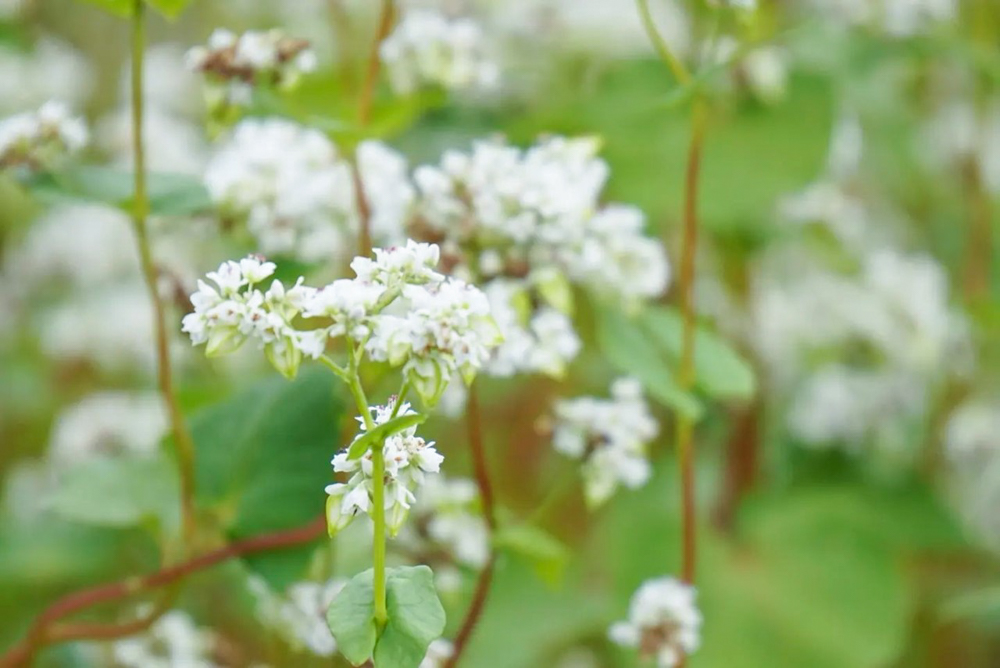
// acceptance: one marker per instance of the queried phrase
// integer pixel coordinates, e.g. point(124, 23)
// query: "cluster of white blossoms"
point(172, 642)
point(900, 18)
point(299, 615)
point(664, 622)
point(973, 450)
point(236, 63)
point(609, 436)
point(297, 194)
point(40, 140)
point(959, 136)
point(526, 224)
point(408, 458)
point(51, 69)
point(427, 48)
point(447, 517)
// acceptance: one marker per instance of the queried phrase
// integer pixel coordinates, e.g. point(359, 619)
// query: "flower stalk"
point(140, 214)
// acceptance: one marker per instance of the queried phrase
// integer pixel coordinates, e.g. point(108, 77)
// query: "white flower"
point(109, 424)
point(290, 186)
point(438, 654)
point(172, 143)
point(172, 642)
point(408, 458)
point(610, 436)
point(388, 191)
point(448, 517)
point(971, 436)
point(664, 623)
point(41, 140)
point(237, 63)
point(51, 70)
point(300, 614)
point(428, 49)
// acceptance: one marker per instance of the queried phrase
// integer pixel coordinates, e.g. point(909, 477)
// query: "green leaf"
point(120, 492)
point(720, 371)
point(263, 460)
point(123, 8)
point(544, 552)
point(632, 351)
point(383, 431)
point(416, 617)
point(351, 617)
point(168, 194)
point(169, 8)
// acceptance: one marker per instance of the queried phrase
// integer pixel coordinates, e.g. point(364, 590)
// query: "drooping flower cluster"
point(234, 64)
point(407, 459)
point(528, 224)
point(233, 311)
point(40, 140)
point(300, 614)
point(172, 642)
point(608, 436)
point(298, 195)
point(664, 622)
point(429, 49)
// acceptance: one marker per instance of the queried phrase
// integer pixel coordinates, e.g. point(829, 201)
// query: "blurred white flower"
point(447, 516)
point(172, 144)
point(111, 423)
point(41, 140)
point(428, 49)
point(972, 436)
point(172, 642)
point(290, 186)
point(300, 613)
point(52, 70)
point(609, 436)
point(438, 654)
point(664, 622)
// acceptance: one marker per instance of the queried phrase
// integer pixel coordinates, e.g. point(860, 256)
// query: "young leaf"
point(416, 617)
point(720, 371)
point(120, 492)
point(632, 351)
point(546, 554)
point(351, 617)
point(382, 432)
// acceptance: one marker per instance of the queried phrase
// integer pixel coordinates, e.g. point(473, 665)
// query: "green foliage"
point(382, 432)
point(631, 350)
point(120, 492)
point(263, 461)
point(544, 552)
point(169, 194)
point(416, 618)
point(126, 8)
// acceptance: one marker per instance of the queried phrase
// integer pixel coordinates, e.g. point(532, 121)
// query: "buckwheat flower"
point(121, 424)
point(237, 63)
point(609, 437)
point(972, 435)
point(289, 185)
point(447, 518)
point(438, 654)
point(408, 458)
point(172, 642)
point(226, 315)
point(299, 614)
point(413, 263)
point(388, 191)
point(428, 49)
point(41, 140)
point(52, 69)
point(664, 622)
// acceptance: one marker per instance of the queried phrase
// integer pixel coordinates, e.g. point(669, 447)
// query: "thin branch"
point(386, 18)
point(41, 632)
point(140, 213)
point(485, 580)
point(662, 48)
point(979, 241)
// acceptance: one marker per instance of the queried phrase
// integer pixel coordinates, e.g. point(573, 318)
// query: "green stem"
point(662, 48)
point(140, 212)
point(378, 491)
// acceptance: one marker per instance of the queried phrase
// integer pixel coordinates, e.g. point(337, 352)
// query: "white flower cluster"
point(237, 63)
point(172, 642)
point(900, 18)
point(973, 449)
point(528, 223)
point(407, 459)
point(233, 311)
point(108, 423)
point(300, 614)
point(447, 517)
point(959, 136)
point(664, 622)
point(609, 436)
point(298, 195)
point(428, 49)
point(40, 140)
point(438, 654)
point(51, 69)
